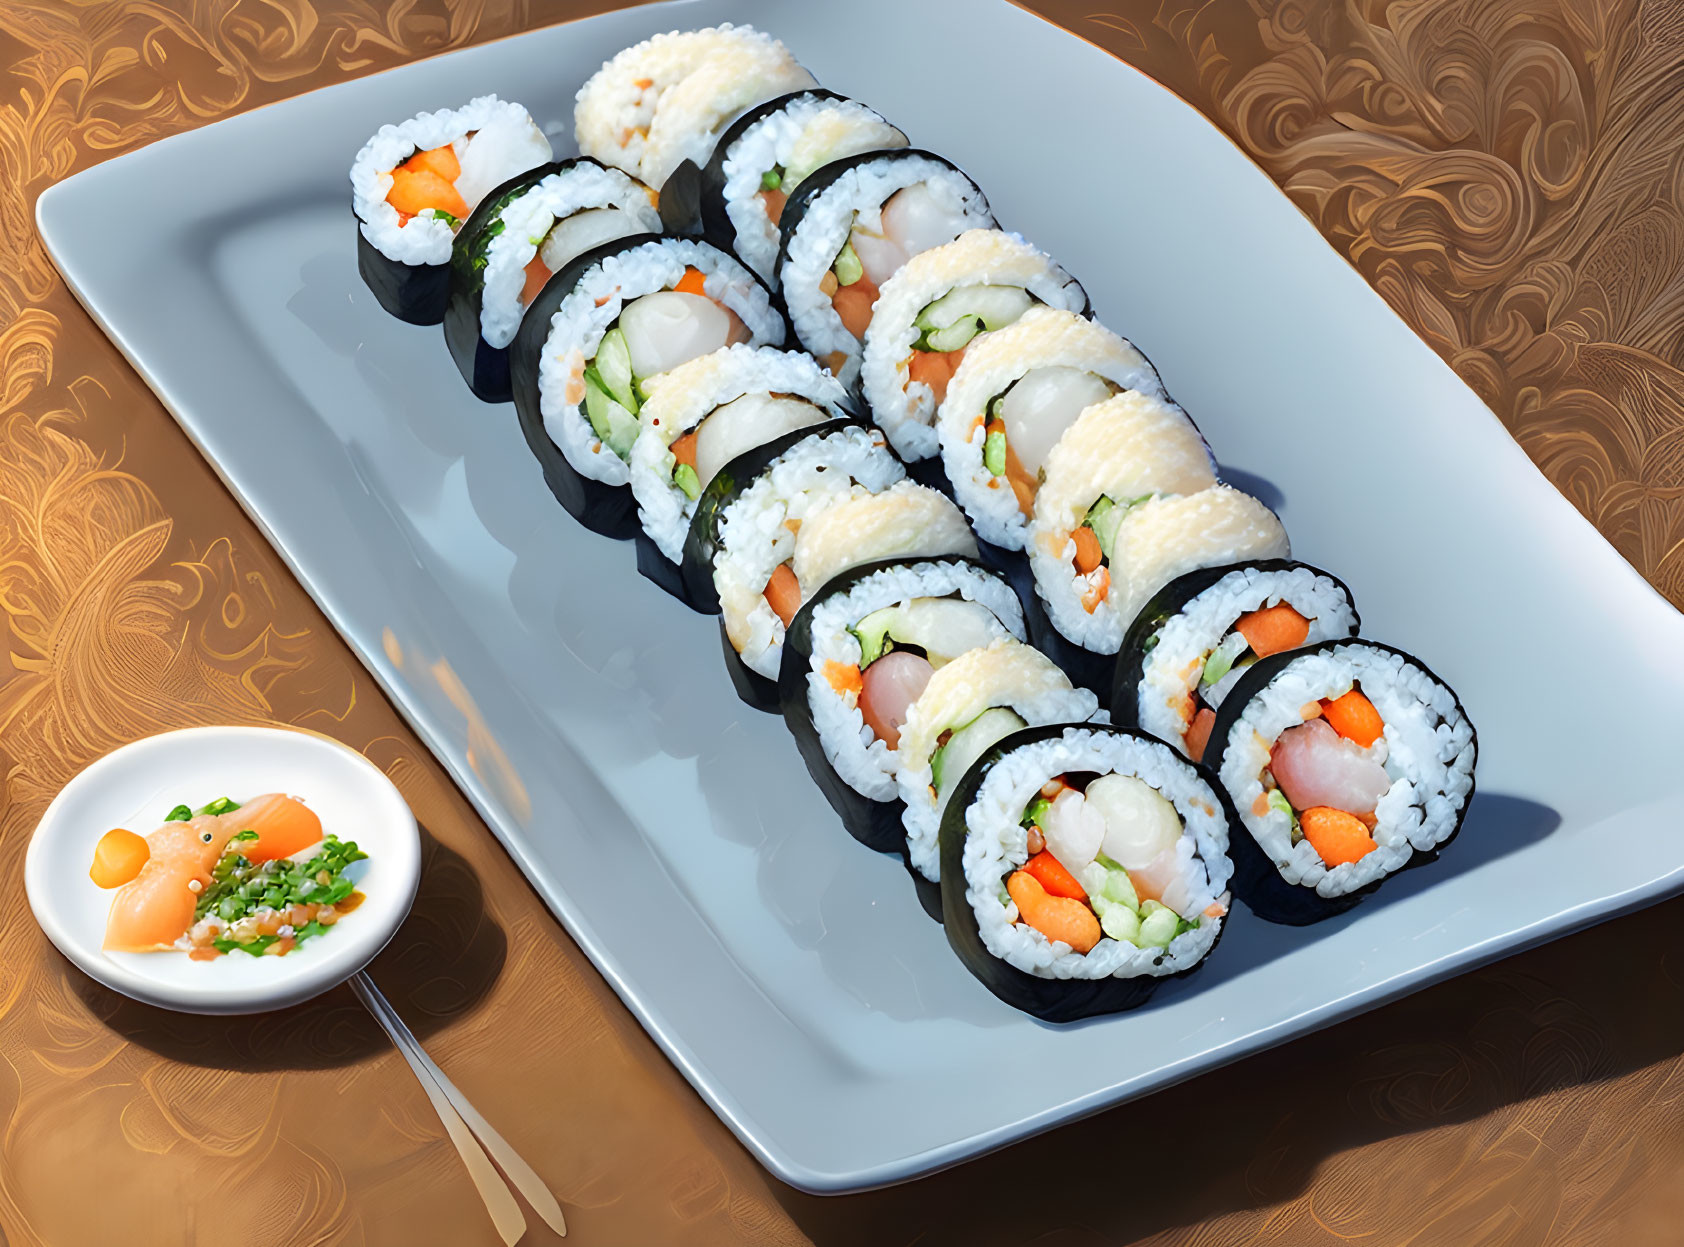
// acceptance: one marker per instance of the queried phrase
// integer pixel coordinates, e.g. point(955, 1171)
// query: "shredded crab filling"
point(1102, 861)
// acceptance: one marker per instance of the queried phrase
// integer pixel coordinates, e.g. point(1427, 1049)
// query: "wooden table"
point(1505, 172)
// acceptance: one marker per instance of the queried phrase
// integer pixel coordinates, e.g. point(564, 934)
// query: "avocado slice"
point(994, 307)
point(616, 426)
point(969, 743)
point(943, 628)
point(613, 368)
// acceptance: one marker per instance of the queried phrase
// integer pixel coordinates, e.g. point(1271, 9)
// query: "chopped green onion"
point(180, 814)
point(247, 834)
point(684, 476)
point(994, 454)
point(439, 214)
point(222, 805)
point(1036, 812)
point(772, 179)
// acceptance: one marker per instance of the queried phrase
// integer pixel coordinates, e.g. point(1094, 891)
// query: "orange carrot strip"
point(1088, 553)
point(1198, 733)
point(416, 191)
point(1095, 593)
point(1354, 717)
point(853, 304)
point(1052, 875)
point(843, 678)
point(684, 449)
point(1337, 836)
point(439, 160)
point(537, 274)
point(692, 282)
point(783, 594)
point(1273, 629)
point(1059, 918)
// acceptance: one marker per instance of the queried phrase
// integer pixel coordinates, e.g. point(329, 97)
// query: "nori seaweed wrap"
point(1346, 761)
point(1052, 845)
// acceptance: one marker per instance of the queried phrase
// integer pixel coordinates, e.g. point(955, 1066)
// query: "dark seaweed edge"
point(415, 293)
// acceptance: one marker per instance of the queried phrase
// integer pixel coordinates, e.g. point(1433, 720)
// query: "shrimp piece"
point(152, 910)
point(1059, 918)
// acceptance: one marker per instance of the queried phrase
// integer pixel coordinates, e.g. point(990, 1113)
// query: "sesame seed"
point(193, 885)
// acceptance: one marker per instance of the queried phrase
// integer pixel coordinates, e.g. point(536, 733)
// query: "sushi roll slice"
point(665, 100)
point(1346, 761)
point(737, 198)
point(968, 707)
point(849, 227)
point(525, 231)
point(1120, 454)
point(1201, 632)
point(414, 184)
point(860, 652)
point(593, 337)
point(700, 416)
point(1011, 399)
point(1081, 866)
point(741, 543)
point(929, 313)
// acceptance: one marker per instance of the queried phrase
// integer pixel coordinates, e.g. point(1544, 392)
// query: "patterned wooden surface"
point(1508, 173)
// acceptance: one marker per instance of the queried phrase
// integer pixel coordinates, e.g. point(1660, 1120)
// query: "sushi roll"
point(1091, 541)
point(1080, 867)
point(1346, 761)
point(526, 230)
point(967, 707)
point(593, 337)
point(741, 543)
point(414, 184)
point(1201, 632)
point(860, 652)
point(665, 100)
point(1011, 399)
point(700, 416)
point(849, 227)
point(737, 198)
point(928, 314)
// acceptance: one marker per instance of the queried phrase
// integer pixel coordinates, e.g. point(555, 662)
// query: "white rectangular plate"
point(787, 972)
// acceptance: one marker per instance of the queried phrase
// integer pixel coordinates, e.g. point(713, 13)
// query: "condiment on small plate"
point(278, 920)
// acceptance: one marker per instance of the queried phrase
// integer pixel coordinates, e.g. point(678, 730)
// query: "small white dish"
point(136, 787)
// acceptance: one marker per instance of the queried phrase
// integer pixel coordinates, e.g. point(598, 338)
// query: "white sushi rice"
point(589, 312)
point(829, 219)
point(757, 530)
point(906, 520)
point(681, 399)
point(1176, 661)
point(664, 100)
point(854, 751)
point(512, 142)
point(1169, 536)
point(906, 409)
point(1126, 447)
point(1007, 673)
point(529, 218)
point(996, 843)
point(1043, 337)
point(804, 134)
point(1428, 753)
